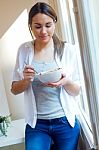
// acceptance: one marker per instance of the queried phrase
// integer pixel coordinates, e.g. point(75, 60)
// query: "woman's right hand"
point(21, 85)
point(28, 73)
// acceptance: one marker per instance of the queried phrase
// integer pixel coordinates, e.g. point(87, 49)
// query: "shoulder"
point(25, 46)
point(69, 48)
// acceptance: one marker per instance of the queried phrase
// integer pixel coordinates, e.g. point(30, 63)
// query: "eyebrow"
point(40, 24)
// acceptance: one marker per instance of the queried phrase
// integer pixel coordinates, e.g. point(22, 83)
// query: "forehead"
point(41, 18)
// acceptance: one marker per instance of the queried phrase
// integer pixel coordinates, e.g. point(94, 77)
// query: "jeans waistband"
point(51, 120)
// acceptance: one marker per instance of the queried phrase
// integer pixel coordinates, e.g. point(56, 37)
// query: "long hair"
point(44, 8)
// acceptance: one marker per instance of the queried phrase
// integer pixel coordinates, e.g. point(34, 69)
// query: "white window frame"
point(88, 47)
point(85, 122)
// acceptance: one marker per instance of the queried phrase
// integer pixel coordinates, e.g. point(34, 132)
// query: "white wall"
point(16, 34)
point(10, 10)
point(4, 109)
point(13, 32)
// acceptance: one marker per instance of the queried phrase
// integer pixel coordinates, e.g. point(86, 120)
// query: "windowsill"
point(15, 134)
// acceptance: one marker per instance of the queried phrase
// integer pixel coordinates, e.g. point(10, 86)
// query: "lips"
point(43, 37)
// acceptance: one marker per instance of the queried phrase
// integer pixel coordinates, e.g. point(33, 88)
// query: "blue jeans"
point(57, 130)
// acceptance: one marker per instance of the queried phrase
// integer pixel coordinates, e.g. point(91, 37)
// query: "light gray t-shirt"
point(47, 98)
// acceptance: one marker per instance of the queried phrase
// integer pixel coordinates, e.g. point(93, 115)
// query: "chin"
point(45, 39)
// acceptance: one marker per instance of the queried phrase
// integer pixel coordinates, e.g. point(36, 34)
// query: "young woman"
point(49, 108)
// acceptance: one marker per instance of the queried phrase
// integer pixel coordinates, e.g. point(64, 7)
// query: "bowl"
point(50, 76)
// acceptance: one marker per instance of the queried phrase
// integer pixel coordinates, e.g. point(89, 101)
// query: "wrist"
point(26, 81)
point(67, 82)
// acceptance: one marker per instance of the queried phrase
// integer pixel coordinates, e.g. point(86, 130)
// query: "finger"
point(54, 83)
point(28, 67)
point(28, 70)
point(29, 77)
point(63, 75)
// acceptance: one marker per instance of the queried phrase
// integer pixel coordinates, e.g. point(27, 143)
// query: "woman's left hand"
point(59, 83)
point(70, 87)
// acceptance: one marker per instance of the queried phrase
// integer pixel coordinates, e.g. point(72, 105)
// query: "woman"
point(50, 110)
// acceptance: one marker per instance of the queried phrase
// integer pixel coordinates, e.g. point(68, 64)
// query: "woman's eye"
point(48, 26)
point(38, 27)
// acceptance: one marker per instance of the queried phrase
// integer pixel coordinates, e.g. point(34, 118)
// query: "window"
point(70, 34)
point(92, 29)
point(74, 30)
point(88, 32)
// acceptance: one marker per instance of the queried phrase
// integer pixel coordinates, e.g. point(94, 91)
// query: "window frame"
point(89, 119)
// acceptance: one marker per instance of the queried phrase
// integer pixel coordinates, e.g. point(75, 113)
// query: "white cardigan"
point(69, 65)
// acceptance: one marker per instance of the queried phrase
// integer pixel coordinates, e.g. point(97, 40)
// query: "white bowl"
point(50, 76)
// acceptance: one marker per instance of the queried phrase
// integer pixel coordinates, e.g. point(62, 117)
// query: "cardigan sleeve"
point(70, 63)
point(17, 74)
point(19, 66)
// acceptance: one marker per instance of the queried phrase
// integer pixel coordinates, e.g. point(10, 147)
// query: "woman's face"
point(43, 27)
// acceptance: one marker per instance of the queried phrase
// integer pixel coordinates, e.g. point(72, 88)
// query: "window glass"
point(94, 8)
point(70, 26)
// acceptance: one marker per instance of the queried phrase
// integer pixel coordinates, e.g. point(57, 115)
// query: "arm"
point(71, 87)
point(18, 87)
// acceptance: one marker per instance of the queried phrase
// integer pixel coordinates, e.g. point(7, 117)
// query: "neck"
point(43, 46)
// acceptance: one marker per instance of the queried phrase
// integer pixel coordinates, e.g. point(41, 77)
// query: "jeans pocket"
point(63, 120)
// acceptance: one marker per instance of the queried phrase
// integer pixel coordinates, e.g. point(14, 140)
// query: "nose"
point(43, 30)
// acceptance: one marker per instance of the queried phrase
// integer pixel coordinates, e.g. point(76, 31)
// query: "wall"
point(13, 32)
point(4, 109)
point(15, 35)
